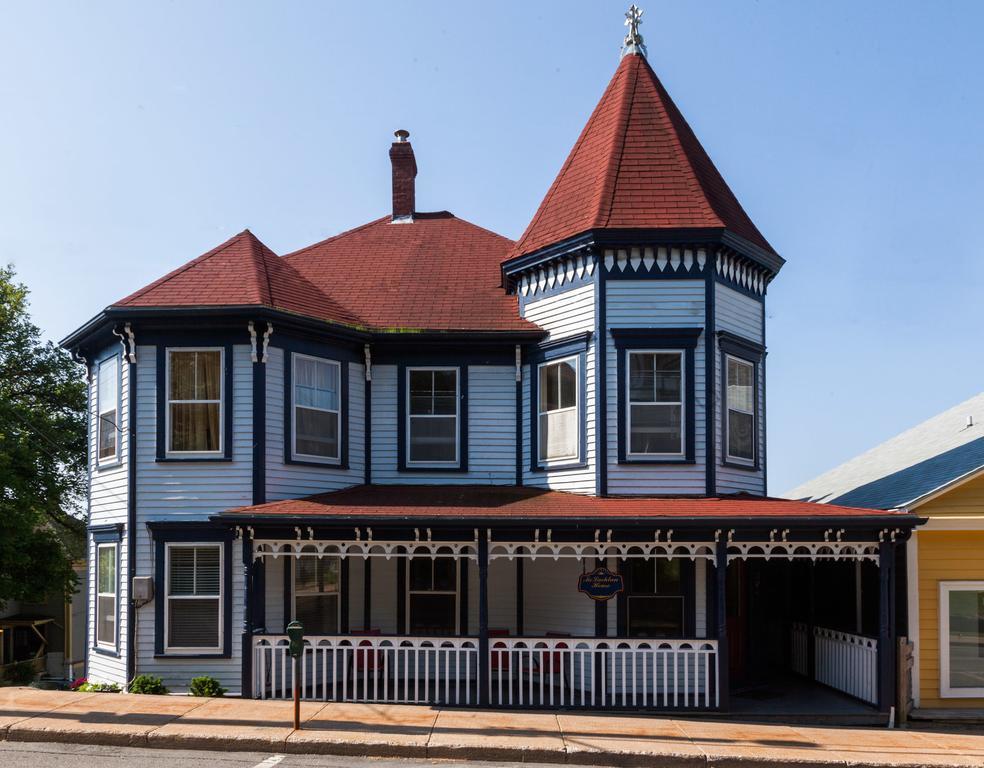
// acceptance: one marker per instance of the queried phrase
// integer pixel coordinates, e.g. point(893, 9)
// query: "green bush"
point(147, 684)
point(98, 688)
point(206, 686)
point(21, 673)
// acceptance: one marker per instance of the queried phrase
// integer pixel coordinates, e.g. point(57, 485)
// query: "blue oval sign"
point(600, 584)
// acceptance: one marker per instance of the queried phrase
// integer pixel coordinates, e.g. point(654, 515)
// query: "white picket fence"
point(844, 661)
point(566, 672)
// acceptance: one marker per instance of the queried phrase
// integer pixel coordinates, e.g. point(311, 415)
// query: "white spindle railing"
point(602, 673)
point(419, 670)
point(800, 656)
point(847, 662)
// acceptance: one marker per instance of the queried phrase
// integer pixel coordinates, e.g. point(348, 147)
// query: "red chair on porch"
point(553, 662)
point(499, 662)
point(364, 660)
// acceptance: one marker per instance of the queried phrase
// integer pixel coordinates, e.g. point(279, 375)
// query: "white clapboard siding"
point(741, 315)
point(288, 481)
point(563, 315)
point(656, 304)
point(491, 429)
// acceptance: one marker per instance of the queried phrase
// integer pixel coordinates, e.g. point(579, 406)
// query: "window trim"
point(164, 453)
point(168, 597)
point(657, 340)
point(115, 594)
point(577, 408)
point(945, 588)
point(105, 534)
point(726, 421)
point(408, 592)
point(545, 354)
point(746, 351)
point(291, 383)
point(630, 455)
point(338, 595)
point(191, 534)
point(403, 419)
point(117, 458)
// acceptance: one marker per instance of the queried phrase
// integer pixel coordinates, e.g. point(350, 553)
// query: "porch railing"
point(523, 671)
point(847, 662)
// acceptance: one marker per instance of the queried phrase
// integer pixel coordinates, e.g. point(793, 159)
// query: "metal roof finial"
point(633, 39)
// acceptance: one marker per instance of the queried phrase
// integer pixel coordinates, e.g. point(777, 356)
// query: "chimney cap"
point(401, 134)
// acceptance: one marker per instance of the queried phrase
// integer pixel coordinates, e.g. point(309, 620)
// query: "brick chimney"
point(404, 173)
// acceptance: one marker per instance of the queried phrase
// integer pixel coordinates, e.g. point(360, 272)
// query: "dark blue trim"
point(601, 382)
point(752, 353)
point(107, 534)
point(186, 532)
point(367, 432)
point(401, 403)
point(345, 596)
point(565, 347)
point(227, 397)
point(577, 348)
point(421, 356)
point(710, 373)
point(734, 285)
point(246, 655)
point(519, 425)
point(344, 416)
point(629, 339)
point(288, 591)
point(118, 459)
point(765, 463)
point(131, 518)
point(259, 433)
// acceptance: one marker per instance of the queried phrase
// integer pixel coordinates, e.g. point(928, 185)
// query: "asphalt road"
point(15, 754)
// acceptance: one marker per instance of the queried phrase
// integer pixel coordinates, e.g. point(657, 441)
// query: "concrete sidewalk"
point(384, 730)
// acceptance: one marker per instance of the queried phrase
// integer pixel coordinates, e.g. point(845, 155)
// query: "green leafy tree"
point(42, 456)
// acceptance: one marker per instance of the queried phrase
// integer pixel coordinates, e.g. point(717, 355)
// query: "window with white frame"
point(193, 614)
point(107, 398)
point(961, 639)
point(317, 584)
point(106, 602)
point(433, 595)
point(432, 416)
point(194, 401)
point(655, 391)
point(558, 426)
point(740, 424)
point(654, 597)
point(317, 408)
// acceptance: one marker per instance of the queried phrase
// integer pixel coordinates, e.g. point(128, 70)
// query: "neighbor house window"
point(317, 408)
point(193, 616)
point(432, 416)
point(433, 595)
point(558, 426)
point(655, 390)
point(961, 639)
point(108, 398)
point(106, 603)
point(317, 582)
point(654, 596)
point(194, 401)
point(740, 426)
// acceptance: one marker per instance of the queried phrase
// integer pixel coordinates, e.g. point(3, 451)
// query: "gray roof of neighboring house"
point(909, 466)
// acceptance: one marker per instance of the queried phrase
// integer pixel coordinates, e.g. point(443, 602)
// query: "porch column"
point(811, 622)
point(721, 606)
point(247, 637)
point(483, 620)
point(886, 625)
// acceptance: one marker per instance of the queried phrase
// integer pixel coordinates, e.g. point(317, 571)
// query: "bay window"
point(107, 610)
point(961, 641)
point(316, 411)
point(558, 429)
point(655, 392)
point(107, 409)
point(432, 416)
point(194, 409)
point(740, 409)
point(193, 595)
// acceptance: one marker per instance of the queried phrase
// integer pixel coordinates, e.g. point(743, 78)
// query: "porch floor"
point(793, 698)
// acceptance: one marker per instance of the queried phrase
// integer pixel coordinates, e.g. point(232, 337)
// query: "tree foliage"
point(42, 455)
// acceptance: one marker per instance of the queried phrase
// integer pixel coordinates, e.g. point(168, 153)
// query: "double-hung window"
point(740, 421)
point(558, 427)
point(317, 582)
point(433, 430)
point(654, 596)
point(193, 592)
point(655, 390)
point(107, 610)
point(317, 409)
point(433, 595)
point(961, 639)
point(107, 397)
point(194, 401)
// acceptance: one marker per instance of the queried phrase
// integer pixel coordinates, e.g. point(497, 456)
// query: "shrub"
point(21, 673)
point(147, 684)
point(206, 686)
point(98, 688)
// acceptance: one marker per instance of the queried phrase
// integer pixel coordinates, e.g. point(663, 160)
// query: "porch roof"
point(516, 503)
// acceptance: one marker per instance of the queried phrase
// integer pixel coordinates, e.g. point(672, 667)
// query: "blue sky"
point(135, 136)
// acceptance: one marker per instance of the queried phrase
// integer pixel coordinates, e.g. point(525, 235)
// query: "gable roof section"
point(638, 165)
point(903, 471)
point(439, 273)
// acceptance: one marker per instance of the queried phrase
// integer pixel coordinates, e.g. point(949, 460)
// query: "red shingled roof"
point(439, 273)
point(520, 503)
point(637, 164)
